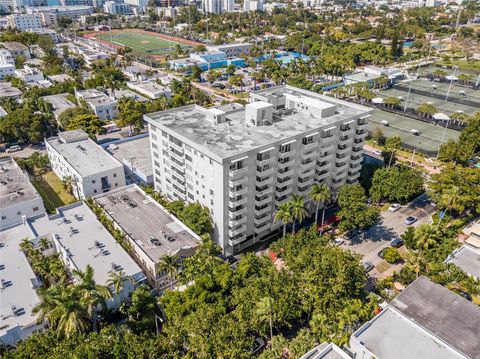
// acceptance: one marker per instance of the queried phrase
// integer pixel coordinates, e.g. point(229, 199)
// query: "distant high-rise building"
point(11, 4)
point(229, 5)
point(213, 6)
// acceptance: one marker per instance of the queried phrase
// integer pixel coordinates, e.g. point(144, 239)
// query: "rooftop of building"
point(148, 85)
point(442, 312)
point(15, 186)
point(18, 295)
point(60, 78)
point(14, 46)
point(326, 351)
point(7, 90)
point(59, 103)
point(236, 135)
point(129, 206)
point(95, 97)
point(362, 76)
point(468, 259)
point(120, 93)
point(83, 154)
point(134, 151)
point(79, 232)
point(232, 45)
point(3, 113)
point(391, 335)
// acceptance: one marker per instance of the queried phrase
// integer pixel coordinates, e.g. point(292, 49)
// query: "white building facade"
point(7, 64)
point(74, 156)
point(104, 107)
point(25, 22)
point(243, 164)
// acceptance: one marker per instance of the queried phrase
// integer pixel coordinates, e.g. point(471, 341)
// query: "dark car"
point(396, 243)
point(368, 266)
point(228, 259)
point(381, 254)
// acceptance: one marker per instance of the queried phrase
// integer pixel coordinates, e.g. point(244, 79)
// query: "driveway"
point(389, 227)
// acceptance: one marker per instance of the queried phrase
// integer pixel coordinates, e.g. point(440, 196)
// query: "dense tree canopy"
point(354, 212)
point(396, 184)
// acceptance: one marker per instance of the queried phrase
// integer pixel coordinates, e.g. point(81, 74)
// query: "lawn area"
point(50, 188)
point(462, 64)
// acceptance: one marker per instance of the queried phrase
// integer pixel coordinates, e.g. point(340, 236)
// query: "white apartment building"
point(25, 22)
point(232, 50)
point(92, 171)
point(149, 88)
point(213, 6)
point(7, 64)
point(229, 5)
point(104, 107)
point(29, 74)
point(245, 162)
point(10, 4)
point(18, 198)
point(17, 49)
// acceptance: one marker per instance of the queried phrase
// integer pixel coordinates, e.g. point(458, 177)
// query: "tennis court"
point(429, 136)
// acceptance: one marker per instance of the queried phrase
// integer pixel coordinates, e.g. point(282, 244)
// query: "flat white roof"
point(59, 103)
point(136, 151)
point(468, 259)
point(20, 294)
point(77, 230)
point(84, 155)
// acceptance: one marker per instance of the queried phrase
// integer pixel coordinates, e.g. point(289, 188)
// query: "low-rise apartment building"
point(29, 74)
point(104, 107)
point(25, 22)
point(17, 49)
point(151, 89)
point(243, 163)
point(7, 64)
point(233, 50)
point(59, 103)
point(151, 231)
point(74, 157)
point(18, 198)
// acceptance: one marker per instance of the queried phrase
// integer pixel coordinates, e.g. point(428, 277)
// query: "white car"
point(394, 207)
point(338, 241)
point(14, 148)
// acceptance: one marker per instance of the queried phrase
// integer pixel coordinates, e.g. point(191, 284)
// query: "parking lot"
point(390, 226)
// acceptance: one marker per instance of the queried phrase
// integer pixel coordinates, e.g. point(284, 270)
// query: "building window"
point(35, 209)
point(19, 213)
point(94, 191)
point(93, 181)
point(4, 217)
point(114, 175)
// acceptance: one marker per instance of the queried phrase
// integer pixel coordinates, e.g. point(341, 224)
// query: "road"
point(390, 226)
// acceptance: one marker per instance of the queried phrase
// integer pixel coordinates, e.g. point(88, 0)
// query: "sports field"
point(144, 42)
point(429, 138)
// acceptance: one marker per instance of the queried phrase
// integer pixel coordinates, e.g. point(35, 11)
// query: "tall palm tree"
point(63, 311)
point(117, 281)
point(26, 246)
point(265, 312)
point(44, 243)
point(451, 198)
point(91, 294)
point(320, 194)
point(284, 214)
point(425, 237)
point(169, 265)
point(298, 209)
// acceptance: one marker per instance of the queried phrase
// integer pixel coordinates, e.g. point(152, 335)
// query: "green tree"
point(132, 118)
point(297, 205)
point(141, 310)
point(168, 264)
point(89, 123)
point(285, 215)
point(391, 255)
point(427, 109)
point(354, 212)
point(392, 144)
point(396, 184)
point(265, 311)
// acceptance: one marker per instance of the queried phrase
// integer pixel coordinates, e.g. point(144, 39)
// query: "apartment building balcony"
point(284, 191)
point(353, 176)
point(339, 167)
point(306, 173)
point(261, 210)
point(329, 148)
point(177, 147)
point(238, 192)
point(238, 172)
point(233, 222)
point(337, 183)
point(262, 172)
point(340, 175)
point(355, 167)
point(341, 150)
point(261, 181)
point(345, 141)
point(310, 146)
point(321, 166)
point(282, 182)
point(356, 160)
point(179, 182)
point(280, 200)
point(285, 173)
point(308, 165)
point(174, 155)
point(327, 157)
point(286, 154)
point(362, 125)
point(282, 165)
point(262, 219)
point(264, 191)
point(238, 182)
point(263, 228)
point(237, 240)
point(321, 175)
point(357, 148)
point(180, 194)
point(266, 161)
point(238, 201)
point(346, 130)
point(237, 231)
point(308, 155)
point(261, 201)
point(361, 134)
point(307, 182)
point(236, 211)
point(180, 169)
point(326, 141)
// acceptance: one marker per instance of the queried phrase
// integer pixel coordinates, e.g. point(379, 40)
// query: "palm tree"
point(44, 243)
point(284, 214)
point(169, 264)
point(320, 194)
point(298, 209)
point(265, 312)
point(392, 101)
point(63, 311)
point(26, 246)
point(427, 109)
point(451, 198)
point(425, 237)
point(91, 294)
point(117, 281)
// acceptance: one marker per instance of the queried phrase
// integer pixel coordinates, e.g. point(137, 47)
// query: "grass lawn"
point(50, 188)
point(462, 65)
point(383, 266)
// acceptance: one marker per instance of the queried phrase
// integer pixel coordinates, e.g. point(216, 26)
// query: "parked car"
point(394, 207)
point(381, 253)
point(228, 259)
point(368, 266)
point(410, 220)
point(257, 345)
point(396, 243)
point(338, 241)
point(14, 148)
